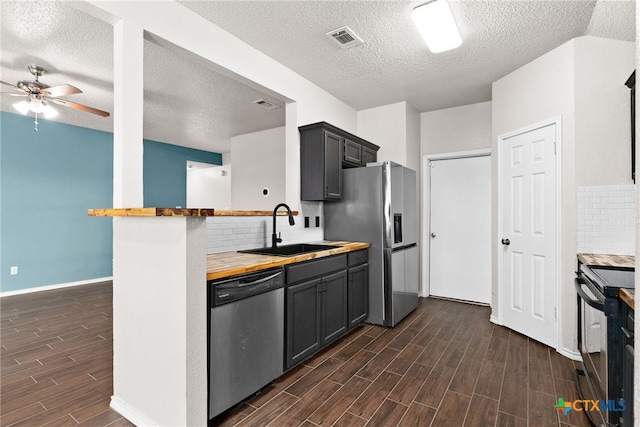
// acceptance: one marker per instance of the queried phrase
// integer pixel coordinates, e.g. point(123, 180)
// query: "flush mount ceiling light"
point(437, 26)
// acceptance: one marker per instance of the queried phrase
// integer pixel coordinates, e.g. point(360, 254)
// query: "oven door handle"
point(579, 283)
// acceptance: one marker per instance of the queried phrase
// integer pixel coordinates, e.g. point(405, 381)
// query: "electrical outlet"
point(14, 270)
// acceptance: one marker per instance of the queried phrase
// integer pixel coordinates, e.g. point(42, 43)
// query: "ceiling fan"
point(40, 96)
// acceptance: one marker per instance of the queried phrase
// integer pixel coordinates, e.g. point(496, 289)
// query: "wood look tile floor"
point(57, 358)
point(445, 365)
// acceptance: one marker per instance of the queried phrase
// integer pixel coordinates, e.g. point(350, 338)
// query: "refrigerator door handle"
point(401, 248)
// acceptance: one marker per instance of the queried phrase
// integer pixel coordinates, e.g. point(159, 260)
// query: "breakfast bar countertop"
point(226, 264)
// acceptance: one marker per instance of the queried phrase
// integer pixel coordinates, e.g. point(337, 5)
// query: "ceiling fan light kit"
point(436, 25)
point(39, 96)
point(37, 106)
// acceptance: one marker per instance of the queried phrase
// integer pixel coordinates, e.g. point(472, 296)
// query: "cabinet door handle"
point(506, 242)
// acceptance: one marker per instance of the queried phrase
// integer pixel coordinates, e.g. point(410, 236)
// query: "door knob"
point(506, 242)
point(433, 234)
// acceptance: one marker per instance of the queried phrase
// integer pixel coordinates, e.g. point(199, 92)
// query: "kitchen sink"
point(289, 250)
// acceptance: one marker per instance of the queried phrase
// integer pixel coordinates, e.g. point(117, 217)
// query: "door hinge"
point(555, 313)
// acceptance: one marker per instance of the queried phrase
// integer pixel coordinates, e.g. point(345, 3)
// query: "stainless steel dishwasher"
point(246, 336)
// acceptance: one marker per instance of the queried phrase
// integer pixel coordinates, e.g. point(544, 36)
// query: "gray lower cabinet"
point(303, 321)
point(358, 287)
point(317, 306)
point(358, 295)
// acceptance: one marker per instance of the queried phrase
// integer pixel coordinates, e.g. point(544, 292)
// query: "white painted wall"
point(453, 130)
point(258, 163)
point(412, 119)
point(209, 186)
point(548, 87)
point(603, 130)
point(386, 127)
point(396, 129)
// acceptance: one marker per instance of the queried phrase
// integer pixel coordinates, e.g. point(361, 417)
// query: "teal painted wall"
point(48, 180)
point(164, 173)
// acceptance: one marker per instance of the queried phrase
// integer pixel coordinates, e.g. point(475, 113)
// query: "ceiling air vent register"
point(345, 37)
point(266, 104)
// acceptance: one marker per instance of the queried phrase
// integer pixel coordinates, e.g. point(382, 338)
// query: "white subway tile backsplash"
point(228, 233)
point(606, 219)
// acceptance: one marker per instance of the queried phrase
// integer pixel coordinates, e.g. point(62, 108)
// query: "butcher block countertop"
point(153, 212)
point(628, 296)
point(226, 264)
point(605, 260)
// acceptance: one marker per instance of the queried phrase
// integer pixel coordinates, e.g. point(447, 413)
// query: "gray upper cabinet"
point(324, 151)
point(352, 153)
point(369, 155)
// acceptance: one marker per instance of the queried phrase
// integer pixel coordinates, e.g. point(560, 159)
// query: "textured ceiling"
point(393, 64)
point(188, 103)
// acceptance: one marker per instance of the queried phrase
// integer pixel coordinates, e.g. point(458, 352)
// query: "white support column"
point(160, 321)
point(128, 88)
point(292, 156)
point(159, 269)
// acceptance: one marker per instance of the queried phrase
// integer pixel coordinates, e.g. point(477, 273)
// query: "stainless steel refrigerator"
point(379, 206)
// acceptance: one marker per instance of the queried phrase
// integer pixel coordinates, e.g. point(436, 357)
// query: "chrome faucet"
point(275, 238)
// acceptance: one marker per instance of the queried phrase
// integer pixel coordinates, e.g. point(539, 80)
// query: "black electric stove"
point(600, 339)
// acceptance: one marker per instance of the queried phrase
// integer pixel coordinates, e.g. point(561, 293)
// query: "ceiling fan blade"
point(12, 94)
point(12, 86)
point(80, 107)
point(61, 90)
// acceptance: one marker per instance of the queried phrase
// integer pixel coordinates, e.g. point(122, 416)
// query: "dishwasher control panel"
point(244, 286)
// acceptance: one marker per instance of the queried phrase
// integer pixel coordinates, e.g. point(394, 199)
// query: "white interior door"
point(460, 229)
point(529, 234)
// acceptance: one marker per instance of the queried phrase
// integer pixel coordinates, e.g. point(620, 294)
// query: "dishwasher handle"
point(241, 283)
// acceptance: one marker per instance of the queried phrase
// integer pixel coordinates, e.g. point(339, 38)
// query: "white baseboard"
point(494, 319)
point(573, 355)
point(58, 286)
point(129, 413)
